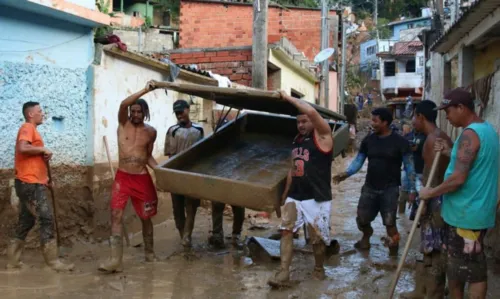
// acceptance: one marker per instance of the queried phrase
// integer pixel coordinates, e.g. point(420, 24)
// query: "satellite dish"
point(324, 55)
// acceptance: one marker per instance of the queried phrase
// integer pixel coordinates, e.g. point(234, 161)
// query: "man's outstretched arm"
point(123, 111)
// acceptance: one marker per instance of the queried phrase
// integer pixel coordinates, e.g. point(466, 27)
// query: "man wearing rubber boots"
point(386, 151)
point(308, 193)
point(470, 190)
point(217, 238)
point(31, 183)
point(135, 146)
point(430, 276)
point(179, 138)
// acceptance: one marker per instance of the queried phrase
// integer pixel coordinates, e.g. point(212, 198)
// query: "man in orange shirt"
point(31, 181)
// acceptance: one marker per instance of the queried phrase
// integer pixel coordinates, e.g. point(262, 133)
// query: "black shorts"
point(461, 266)
point(373, 201)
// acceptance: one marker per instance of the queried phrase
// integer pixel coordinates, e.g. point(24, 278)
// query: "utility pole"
point(325, 41)
point(259, 44)
point(343, 74)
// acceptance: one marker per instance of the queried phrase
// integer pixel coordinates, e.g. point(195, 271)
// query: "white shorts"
point(316, 214)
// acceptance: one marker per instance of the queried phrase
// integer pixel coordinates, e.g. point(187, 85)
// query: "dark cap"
point(455, 97)
point(180, 105)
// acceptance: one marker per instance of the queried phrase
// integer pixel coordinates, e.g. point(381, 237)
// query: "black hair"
point(384, 114)
point(427, 109)
point(470, 105)
point(144, 108)
point(27, 106)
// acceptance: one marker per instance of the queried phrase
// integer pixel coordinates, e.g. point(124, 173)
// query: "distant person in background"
point(409, 107)
point(405, 188)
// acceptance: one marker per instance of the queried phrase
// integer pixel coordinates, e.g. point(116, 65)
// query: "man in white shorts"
point(308, 192)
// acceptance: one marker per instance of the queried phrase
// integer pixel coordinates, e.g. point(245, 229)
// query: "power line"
point(43, 48)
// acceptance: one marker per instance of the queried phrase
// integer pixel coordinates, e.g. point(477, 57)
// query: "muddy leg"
point(191, 208)
point(388, 211)
point(179, 212)
point(478, 290)
point(148, 237)
point(456, 289)
point(319, 248)
point(403, 199)
point(368, 208)
point(216, 240)
point(114, 263)
point(435, 276)
point(282, 277)
point(238, 219)
point(419, 291)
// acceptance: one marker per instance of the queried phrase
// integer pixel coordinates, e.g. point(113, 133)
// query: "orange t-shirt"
point(30, 169)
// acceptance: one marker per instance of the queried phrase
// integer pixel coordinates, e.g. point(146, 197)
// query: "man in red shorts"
point(135, 145)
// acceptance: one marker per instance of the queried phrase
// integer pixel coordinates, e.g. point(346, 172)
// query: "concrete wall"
point(145, 41)
point(366, 59)
point(48, 61)
point(230, 24)
point(486, 60)
point(396, 29)
point(86, 3)
point(142, 8)
point(291, 79)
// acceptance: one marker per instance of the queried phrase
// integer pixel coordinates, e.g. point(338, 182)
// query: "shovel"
point(56, 224)
point(414, 226)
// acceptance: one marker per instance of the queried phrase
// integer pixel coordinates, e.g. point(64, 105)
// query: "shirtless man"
point(430, 273)
point(135, 144)
point(307, 197)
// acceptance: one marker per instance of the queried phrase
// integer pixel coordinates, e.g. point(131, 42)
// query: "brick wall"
point(233, 63)
point(211, 24)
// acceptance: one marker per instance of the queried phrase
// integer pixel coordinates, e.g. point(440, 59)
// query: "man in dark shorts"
point(430, 276)
point(179, 138)
point(31, 183)
point(386, 151)
point(135, 147)
point(470, 193)
point(307, 196)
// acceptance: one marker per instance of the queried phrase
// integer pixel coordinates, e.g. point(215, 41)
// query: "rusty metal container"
point(244, 163)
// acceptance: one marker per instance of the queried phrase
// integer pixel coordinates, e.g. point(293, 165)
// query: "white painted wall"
point(114, 80)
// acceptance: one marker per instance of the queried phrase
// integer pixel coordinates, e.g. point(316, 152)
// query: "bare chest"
point(133, 138)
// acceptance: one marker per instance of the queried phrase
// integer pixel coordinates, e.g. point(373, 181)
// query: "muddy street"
point(223, 274)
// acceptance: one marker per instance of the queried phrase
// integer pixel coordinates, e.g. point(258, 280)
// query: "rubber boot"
point(319, 260)
point(114, 264)
point(51, 256)
point(282, 278)
point(419, 291)
point(216, 241)
point(364, 243)
point(14, 252)
point(236, 241)
point(149, 252)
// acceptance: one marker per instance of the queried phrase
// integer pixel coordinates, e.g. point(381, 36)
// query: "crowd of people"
point(460, 199)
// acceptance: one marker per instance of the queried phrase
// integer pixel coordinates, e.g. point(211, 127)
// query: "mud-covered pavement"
point(224, 274)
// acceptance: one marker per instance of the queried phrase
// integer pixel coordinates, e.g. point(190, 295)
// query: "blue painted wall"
point(48, 61)
point(403, 26)
point(366, 59)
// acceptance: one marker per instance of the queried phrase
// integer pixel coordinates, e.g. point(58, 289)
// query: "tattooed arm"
point(468, 148)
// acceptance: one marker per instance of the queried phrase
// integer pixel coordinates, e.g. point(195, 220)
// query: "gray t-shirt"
point(180, 138)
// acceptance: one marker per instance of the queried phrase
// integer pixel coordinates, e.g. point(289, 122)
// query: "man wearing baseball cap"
point(179, 138)
point(470, 192)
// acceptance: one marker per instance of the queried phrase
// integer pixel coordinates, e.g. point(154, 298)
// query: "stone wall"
point(152, 40)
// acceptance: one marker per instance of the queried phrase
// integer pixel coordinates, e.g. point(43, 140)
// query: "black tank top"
point(312, 170)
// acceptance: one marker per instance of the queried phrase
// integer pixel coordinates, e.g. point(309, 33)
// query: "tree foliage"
point(391, 9)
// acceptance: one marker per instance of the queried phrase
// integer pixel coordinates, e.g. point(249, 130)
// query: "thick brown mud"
point(226, 273)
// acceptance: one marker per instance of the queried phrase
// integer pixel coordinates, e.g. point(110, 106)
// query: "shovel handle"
point(54, 206)
point(414, 226)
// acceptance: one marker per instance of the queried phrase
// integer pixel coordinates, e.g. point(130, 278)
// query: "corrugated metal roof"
point(476, 12)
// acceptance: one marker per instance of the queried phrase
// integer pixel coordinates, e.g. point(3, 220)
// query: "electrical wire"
point(43, 48)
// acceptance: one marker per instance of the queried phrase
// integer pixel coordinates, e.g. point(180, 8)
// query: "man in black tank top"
point(308, 194)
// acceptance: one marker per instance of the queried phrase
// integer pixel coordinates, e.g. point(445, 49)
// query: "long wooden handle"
point(124, 232)
point(414, 226)
point(56, 224)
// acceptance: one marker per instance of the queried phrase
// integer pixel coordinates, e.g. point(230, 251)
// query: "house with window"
point(402, 71)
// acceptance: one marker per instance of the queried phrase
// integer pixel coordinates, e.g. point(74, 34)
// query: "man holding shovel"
point(430, 273)
point(31, 182)
point(470, 192)
point(308, 192)
point(135, 146)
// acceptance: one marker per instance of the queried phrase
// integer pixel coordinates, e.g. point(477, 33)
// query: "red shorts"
point(140, 188)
